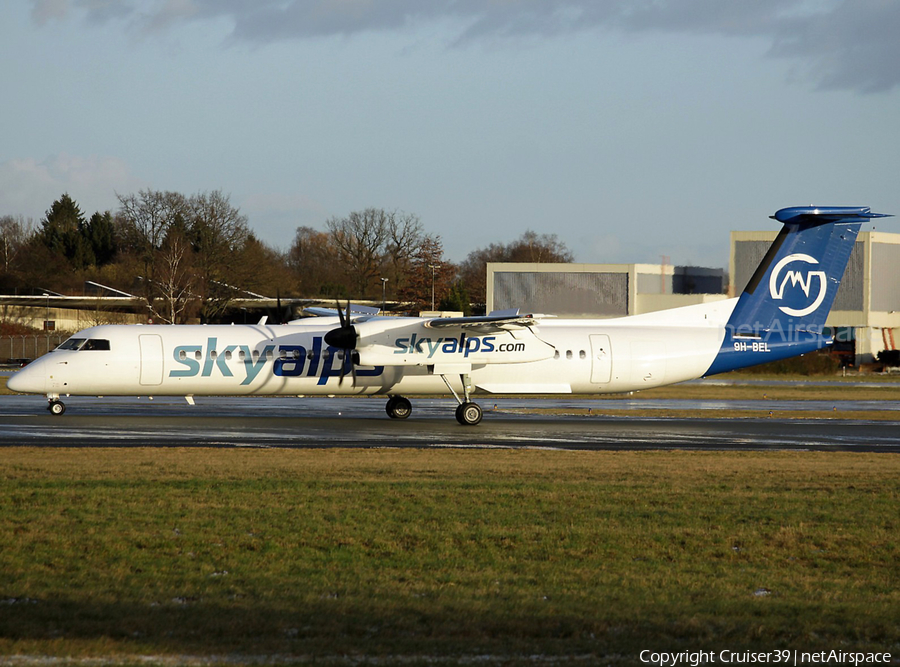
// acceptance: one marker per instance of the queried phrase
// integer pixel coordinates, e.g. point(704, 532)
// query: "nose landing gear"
point(55, 406)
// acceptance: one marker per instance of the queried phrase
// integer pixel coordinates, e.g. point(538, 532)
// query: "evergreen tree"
point(457, 299)
point(63, 232)
point(100, 237)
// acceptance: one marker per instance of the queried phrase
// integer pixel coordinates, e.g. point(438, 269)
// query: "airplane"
point(355, 351)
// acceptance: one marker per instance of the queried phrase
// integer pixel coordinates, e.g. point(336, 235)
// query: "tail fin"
point(783, 309)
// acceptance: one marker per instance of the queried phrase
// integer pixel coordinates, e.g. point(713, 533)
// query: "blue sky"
point(629, 128)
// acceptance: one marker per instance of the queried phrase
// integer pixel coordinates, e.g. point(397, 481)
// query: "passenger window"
point(227, 355)
point(182, 355)
point(197, 355)
point(213, 354)
point(582, 355)
point(568, 354)
point(241, 355)
point(556, 355)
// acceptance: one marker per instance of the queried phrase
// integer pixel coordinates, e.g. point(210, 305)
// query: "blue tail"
point(782, 311)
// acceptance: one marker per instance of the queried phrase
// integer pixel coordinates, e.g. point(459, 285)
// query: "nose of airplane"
point(29, 380)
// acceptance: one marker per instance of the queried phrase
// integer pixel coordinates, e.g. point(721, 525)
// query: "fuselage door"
point(151, 360)
point(601, 359)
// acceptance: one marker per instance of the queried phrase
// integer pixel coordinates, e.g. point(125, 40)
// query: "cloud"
point(28, 187)
point(43, 11)
point(837, 44)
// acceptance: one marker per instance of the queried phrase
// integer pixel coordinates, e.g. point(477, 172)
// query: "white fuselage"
point(558, 356)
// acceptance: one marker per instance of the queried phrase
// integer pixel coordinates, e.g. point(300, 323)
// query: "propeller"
point(344, 339)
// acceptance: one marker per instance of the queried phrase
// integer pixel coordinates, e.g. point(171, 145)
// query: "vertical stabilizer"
point(782, 311)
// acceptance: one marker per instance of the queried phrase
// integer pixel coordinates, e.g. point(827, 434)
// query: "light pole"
point(383, 286)
point(46, 325)
point(432, 267)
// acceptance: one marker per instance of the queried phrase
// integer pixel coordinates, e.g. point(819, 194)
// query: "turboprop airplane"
point(780, 314)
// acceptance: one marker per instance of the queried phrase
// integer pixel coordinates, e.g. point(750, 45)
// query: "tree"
point(218, 233)
point(265, 270)
point(457, 299)
point(530, 247)
point(359, 239)
point(14, 235)
point(100, 236)
point(142, 224)
point(63, 232)
point(145, 218)
point(316, 264)
point(404, 239)
point(429, 276)
point(174, 278)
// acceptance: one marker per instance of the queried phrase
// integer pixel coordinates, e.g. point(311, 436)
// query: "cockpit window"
point(82, 344)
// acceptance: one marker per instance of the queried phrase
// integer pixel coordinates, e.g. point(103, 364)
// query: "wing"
point(498, 320)
point(333, 312)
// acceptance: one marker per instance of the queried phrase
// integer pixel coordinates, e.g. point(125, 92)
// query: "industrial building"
point(600, 290)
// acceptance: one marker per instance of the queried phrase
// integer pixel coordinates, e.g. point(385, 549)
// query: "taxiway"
point(361, 422)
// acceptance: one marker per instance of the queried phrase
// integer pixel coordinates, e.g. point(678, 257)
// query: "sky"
point(631, 129)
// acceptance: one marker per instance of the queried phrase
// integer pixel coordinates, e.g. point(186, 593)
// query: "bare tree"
point(359, 239)
point(15, 233)
point(405, 240)
point(316, 265)
point(175, 280)
point(429, 276)
point(146, 217)
point(143, 222)
point(218, 232)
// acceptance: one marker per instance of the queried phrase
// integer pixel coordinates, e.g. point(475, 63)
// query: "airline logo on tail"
point(794, 277)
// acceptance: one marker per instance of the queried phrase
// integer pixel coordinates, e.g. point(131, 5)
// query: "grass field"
point(413, 557)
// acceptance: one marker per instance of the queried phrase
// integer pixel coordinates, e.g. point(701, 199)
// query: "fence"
point(28, 347)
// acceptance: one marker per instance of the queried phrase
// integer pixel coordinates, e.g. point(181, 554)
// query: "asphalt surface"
point(362, 422)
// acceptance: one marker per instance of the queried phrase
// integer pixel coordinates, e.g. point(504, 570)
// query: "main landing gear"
point(467, 412)
point(398, 407)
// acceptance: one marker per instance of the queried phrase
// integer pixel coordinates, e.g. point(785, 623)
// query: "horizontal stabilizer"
point(821, 214)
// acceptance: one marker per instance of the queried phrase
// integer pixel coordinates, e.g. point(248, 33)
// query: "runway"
point(362, 422)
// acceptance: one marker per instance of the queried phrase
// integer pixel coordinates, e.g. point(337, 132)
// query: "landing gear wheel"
point(56, 407)
point(398, 407)
point(468, 413)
